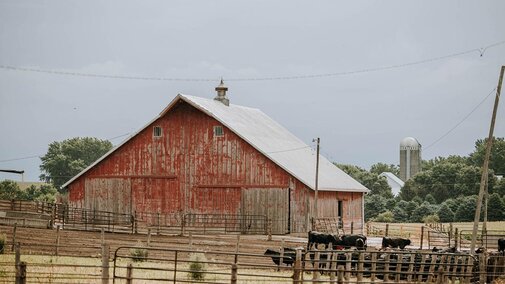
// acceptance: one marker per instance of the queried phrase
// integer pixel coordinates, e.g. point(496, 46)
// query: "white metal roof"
point(269, 138)
point(394, 182)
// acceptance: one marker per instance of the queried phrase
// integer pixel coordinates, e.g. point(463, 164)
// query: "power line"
point(289, 150)
point(460, 122)
point(480, 51)
point(38, 156)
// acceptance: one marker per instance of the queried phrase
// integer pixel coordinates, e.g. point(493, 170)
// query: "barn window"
point(218, 131)
point(157, 131)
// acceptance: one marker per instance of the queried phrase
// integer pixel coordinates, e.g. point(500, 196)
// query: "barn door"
point(108, 194)
point(270, 202)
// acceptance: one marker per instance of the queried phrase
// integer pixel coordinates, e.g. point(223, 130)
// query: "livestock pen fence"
point(428, 236)
point(52, 215)
point(131, 264)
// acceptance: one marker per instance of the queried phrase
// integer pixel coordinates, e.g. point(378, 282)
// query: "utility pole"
point(317, 178)
point(483, 180)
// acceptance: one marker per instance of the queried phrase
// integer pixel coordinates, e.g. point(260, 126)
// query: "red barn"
point(208, 156)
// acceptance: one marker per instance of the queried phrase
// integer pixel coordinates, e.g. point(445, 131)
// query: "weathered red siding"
point(188, 169)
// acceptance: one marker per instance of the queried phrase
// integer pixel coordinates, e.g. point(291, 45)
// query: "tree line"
point(445, 190)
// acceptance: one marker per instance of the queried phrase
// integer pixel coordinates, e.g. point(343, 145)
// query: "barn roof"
point(270, 139)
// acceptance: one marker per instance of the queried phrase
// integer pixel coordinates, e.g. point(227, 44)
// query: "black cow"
point(322, 238)
point(447, 250)
point(358, 241)
point(501, 245)
point(395, 242)
point(288, 258)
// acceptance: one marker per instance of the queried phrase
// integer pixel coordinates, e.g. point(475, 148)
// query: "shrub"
point(432, 218)
point(2, 243)
point(197, 266)
point(139, 253)
point(386, 217)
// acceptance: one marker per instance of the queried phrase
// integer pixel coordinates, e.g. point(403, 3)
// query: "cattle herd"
point(392, 251)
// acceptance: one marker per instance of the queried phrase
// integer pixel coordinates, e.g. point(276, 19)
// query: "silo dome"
point(410, 143)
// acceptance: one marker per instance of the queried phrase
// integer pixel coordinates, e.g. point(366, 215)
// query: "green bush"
point(197, 266)
point(139, 253)
point(433, 218)
point(385, 217)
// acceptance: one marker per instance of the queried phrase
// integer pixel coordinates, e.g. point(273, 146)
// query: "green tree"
point(411, 207)
point(377, 185)
point(400, 212)
point(10, 190)
point(379, 168)
point(45, 193)
point(445, 213)
point(386, 217)
point(374, 205)
point(408, 191)
point(430, 199)
point(497, 159)
point(466, 209)
point(65, 159)
point(499, 187)
point(420, 212)
point(495, 208)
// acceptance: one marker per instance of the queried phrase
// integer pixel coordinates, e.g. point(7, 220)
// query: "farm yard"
point(77, 256)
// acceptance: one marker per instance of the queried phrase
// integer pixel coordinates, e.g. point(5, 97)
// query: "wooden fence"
point(49, 215)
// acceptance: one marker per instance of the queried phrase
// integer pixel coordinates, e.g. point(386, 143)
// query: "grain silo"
point(410, 158)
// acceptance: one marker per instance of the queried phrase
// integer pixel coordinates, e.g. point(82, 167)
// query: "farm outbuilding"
point(207, 156)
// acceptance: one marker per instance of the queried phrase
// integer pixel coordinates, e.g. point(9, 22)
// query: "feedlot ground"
point(83, 243)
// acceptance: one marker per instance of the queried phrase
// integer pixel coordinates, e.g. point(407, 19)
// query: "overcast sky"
point(361, 118)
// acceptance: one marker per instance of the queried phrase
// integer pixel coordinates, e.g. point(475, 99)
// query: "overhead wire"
point(38, 156)
point(460, 122)
point(480, 51)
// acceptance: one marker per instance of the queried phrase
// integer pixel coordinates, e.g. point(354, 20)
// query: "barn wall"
point(188, 169)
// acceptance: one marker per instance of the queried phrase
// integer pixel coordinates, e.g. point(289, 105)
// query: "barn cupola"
point(221, 94)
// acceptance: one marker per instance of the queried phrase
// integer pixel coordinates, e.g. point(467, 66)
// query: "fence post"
point(135, 221)
point(21, 273)
point(482, 267)
point(234, 271)
point(269, 229)
point(102, 236)
point(14, 236)
point(450, 234)
point(190, 241)
point(456, 236)
point(429, 238)
point(158, 232)
point(387, 229)
point(183, 221)
point(281, 260)
point(129, 271)
point(148, 237)
point(297, 267)
point(57, 241)
point(422, 237)
point(340, 275)
point(105, 263)
point(315, 273)
point(238, 244)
